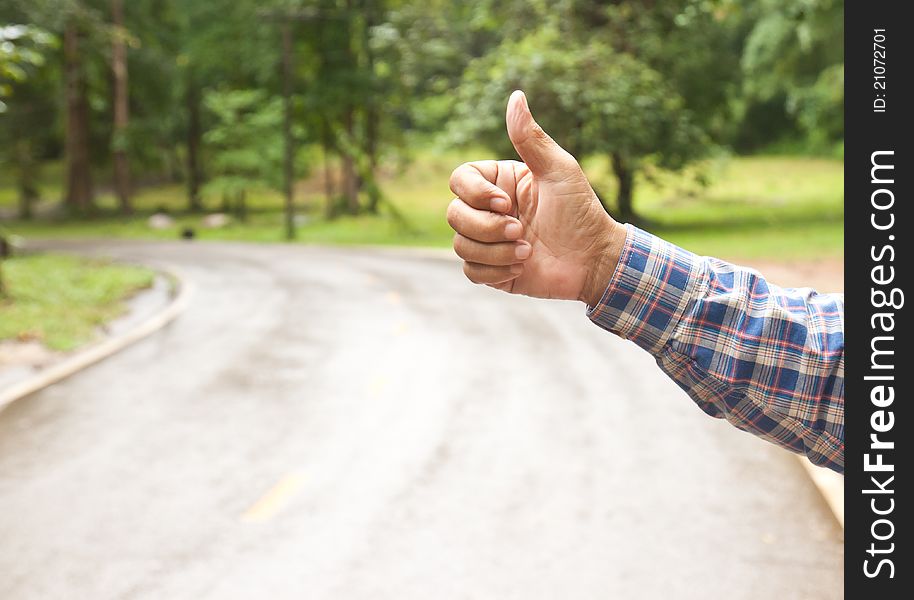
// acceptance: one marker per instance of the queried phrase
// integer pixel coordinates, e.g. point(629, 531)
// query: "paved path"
point(358, 424)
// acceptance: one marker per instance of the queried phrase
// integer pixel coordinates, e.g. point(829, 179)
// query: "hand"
point(535, 227)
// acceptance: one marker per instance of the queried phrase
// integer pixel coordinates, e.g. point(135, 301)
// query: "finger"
point(474, 183)
point(505, 286)
point(482, 225)
point(504, 253)
point(489, 274)
point(509, 173)
point(535, 147)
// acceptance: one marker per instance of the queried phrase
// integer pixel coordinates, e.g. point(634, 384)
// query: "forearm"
point(769, 360)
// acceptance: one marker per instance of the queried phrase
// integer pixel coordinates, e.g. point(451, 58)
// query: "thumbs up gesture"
point(535, 227)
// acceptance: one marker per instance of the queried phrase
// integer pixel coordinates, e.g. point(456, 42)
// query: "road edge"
point(829, 484)
point(101, 350)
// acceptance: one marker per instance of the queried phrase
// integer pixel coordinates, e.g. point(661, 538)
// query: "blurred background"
point(345, 420)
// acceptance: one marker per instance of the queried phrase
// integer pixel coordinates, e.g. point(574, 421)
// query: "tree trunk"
point(289, 151)
point(3, 251)
point(25, 174)
point(371, 148)
point(350, 181)
point(79, 178)
point(6, 251)
point(194, 138)
point(625, 176)
point(121, 109)
point(350, 174)
point(241, 206)
point(329, 191)
point(372, 113)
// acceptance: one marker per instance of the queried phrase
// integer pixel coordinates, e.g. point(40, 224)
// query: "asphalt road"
point(365, 424)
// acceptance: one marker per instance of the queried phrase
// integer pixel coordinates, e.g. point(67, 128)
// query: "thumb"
point(539, 151)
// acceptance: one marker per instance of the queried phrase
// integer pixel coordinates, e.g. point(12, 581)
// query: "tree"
point(193, 140)
point(20, 50)
point(594, 99)
point(355, 100)
point(680, 57)
point(216, 45)
point(639, 83)
point(347, 128)
point(79, 195)
point(25, 108)
point(121, 107)
point(790, 56)
point(94, 91)
point(247, 143)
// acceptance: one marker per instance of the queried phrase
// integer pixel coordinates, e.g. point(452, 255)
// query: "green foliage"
point(433, 42)
point(27, 109)
point(591, 98)
point(22, 49)
point(246, 140)
point(656, 84)
point(793, 54)
point(694, 44)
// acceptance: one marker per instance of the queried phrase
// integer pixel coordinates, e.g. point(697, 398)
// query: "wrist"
point(603, 263)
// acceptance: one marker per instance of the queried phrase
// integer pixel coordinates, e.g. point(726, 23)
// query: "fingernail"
point(500, 204)
point(512, 231)
point(522, 251)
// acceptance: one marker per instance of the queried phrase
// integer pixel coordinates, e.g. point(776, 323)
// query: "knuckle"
point(538, 132)
point(494, 227)
point(460, 245)
point(470, 272)
point(453, 214)
point(570, 162)
point(456, 176)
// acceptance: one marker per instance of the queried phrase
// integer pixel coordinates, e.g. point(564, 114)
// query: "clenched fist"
point(534, 227)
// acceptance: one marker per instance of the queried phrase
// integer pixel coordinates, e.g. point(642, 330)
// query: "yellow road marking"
point(275, 499)
point(377, 385)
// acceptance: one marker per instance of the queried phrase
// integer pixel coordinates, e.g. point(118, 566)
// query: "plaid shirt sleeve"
point(768, 360)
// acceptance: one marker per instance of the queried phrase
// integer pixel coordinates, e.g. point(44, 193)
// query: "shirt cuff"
point(652, 286)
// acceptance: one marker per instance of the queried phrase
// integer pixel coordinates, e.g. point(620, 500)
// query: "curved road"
point(365, 424)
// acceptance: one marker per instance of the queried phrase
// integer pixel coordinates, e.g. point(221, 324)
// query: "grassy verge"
point(760, 207)
point(61, 300)
point(771, 206)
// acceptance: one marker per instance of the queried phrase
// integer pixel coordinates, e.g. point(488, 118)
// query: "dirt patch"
point(29, 353)
point(21, 359)
point(824, 275)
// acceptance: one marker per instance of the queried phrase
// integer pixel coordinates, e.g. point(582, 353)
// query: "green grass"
point(61, 300)
point(760, 207)
point(50, 183)
point(765, 206)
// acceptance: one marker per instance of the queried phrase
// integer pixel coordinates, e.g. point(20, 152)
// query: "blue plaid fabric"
point(768, 360)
